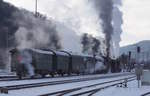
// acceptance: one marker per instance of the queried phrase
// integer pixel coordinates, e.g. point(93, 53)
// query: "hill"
point(145, 50)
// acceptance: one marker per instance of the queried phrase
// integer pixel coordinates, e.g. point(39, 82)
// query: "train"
point(30, 61)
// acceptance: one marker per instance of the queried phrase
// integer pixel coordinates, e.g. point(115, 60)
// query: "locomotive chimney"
point(36, 13)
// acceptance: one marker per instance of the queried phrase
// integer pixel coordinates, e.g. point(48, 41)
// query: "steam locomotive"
point(31, 62)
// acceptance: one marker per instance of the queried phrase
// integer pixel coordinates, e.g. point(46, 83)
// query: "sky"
point(136, 16)
point(136, 19)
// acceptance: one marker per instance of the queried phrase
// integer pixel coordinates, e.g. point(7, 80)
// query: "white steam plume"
point(79, 15)
point(26, 61)
point(76, 17)
point(117, 27)
point(99, 66)
point(69, 39)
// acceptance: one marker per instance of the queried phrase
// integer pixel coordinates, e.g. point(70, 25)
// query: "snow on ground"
point(132, 90)
point(92, 88)
point(54, 88)
point(8, 83)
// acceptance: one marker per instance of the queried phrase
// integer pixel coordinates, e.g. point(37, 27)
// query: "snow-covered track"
point(40, 84)
point(2, 77)
point(92, 91)
point(146, 94)
point(9, 79)
point(15, 78)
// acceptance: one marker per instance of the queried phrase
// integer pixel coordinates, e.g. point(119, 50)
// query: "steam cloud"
point(20, 28)
point(71, 19)
point(26, 29)
point(117, 22)
point(27, 61)
point(35, 32)
point(78, 16)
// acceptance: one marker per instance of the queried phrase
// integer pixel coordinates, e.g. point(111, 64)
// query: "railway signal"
point(129, 61)
point(130, 54)
point(138, 69)
point(138, 49)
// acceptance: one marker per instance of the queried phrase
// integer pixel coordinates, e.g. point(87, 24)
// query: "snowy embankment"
point(54, 88)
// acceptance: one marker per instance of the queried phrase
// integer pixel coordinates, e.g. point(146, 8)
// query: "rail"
point(93, 91)
point(5, 89)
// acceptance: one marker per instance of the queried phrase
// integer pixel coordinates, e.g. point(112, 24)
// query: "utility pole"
point(35, 7)
point(144, 57)
point(138, 69)
point(147, 61)
point(129, 61)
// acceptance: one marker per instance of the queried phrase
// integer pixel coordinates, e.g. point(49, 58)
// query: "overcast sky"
point(136, 16)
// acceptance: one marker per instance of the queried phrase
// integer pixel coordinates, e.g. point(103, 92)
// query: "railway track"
point(17, 79)
point(14, 78)
point(5, 89)
point(146, 94)
point(8, 77)
point(91, 91)
point(3, 78)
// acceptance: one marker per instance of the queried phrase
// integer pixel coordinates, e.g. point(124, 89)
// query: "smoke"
point(96, 46)
point(111, 17)
point(20, 28)
point(117, 23)
point(7, 30)
point(85, 41)
point(90, 44)
point(78, 16)
point(7, 26)
point(104, 8)
point(35, 32)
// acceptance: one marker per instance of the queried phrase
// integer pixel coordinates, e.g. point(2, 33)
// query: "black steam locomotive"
point(46, 61)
